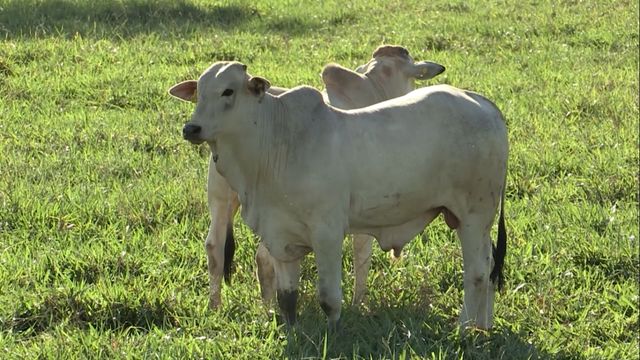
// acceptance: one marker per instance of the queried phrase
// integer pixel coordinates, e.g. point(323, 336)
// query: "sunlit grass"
point(103, 206)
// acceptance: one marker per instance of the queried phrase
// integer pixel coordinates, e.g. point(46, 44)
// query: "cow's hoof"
point(359, 300)
point(334, 327)
point(214, 302)
point(287, 302)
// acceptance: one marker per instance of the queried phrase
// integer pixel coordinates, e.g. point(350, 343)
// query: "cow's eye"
point(227, 92)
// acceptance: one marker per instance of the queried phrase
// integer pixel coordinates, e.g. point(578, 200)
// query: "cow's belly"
point(397, 236)
point(393, 219)
point(389, 208)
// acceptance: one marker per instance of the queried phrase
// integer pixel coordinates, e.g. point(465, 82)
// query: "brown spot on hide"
point(386, 71)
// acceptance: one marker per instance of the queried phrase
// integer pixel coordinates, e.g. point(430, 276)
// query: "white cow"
point(307, 173)
point(390, 73)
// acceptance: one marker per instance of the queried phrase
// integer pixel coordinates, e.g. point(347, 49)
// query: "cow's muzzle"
point(192, 133)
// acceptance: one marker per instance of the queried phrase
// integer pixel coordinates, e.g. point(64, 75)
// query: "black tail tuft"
point(499, 251)
point(229, 250)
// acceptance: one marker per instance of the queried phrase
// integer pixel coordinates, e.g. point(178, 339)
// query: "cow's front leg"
point(214, 247)
point(328, 252)
point(219, 244)
point(287, 279)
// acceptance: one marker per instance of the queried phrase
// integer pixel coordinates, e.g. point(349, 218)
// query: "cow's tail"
point(229, 250)
point(500, 249)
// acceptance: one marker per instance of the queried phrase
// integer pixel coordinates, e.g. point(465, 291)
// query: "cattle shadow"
point(122, 20)
point(83, 312)
point(404, 332)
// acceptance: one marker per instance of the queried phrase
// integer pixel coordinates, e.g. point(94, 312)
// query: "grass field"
point(103, 205)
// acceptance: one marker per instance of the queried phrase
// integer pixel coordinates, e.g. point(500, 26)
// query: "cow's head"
point(390, 73)
point(217, 94)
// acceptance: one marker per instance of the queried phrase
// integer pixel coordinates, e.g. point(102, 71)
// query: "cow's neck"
point(253, 155)
point(379, 89)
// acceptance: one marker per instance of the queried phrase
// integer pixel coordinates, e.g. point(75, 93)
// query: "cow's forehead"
point(379, 62)
point(221, 74)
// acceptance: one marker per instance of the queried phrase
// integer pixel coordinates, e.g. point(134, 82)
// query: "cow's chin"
point(196, 141)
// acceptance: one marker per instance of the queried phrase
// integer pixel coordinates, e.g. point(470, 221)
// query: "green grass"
point(103, 206)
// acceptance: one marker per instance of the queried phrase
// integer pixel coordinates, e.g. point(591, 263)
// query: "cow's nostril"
point(190, 130)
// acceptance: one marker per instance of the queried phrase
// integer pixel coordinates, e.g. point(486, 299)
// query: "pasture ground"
point(103, 205)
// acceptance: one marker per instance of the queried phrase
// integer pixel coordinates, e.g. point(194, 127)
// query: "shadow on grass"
point(125, 19)
point(614, 269)
point(73, 307)
point(404, 332)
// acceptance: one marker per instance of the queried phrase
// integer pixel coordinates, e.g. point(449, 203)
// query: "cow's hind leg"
point(361, 264)
point(266, 274)
point(477, 256)
point(287, 279)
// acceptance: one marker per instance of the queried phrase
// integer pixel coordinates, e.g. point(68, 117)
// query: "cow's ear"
point(258, 86)
point(186, 90)
point(334, 75)
point(425, 70)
